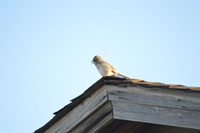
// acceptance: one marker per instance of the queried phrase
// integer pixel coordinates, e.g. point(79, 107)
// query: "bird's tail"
point(123, 76)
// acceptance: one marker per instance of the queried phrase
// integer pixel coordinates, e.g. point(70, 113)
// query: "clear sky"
point(46, 47)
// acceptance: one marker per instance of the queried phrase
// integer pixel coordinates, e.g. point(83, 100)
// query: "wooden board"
point(159, 97)
point(165, 107)
point(80, 112)
point(156, 115)
point(95, 121)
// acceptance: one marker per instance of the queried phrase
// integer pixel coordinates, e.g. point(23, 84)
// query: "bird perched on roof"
point(104, 68)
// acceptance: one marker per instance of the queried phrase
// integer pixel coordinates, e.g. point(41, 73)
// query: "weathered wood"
point(139, 104)
point(80, 112)
point(167, 107)
point(156, 114)
point(95, 121)
point(159, 97)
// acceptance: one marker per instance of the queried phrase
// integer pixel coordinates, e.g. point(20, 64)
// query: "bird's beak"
point(92, 62)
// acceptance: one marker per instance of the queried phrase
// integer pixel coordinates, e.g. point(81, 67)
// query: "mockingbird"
point(104, 68)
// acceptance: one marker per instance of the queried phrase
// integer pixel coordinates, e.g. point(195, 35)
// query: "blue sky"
point(46, 48)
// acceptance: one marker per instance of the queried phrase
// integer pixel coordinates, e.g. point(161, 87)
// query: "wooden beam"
point(155, 96)
point(156, 115)
point(165, 107)
point(80, 112)
point(95, 121)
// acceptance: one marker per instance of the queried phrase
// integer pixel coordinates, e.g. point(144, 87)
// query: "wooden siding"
point(165, 107)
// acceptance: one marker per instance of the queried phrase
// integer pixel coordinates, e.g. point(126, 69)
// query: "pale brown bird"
point(104, 68)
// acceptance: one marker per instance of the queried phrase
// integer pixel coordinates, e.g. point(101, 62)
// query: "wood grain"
point(80, 112)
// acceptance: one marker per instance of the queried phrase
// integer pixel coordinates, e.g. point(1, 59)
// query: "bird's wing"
point(109, 68)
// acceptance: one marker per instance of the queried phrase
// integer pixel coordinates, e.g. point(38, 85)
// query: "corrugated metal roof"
point(111, 81)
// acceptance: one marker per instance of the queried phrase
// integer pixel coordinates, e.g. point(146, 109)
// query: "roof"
point(111, 81)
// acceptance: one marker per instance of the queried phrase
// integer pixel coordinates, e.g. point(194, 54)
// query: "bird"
point(104, 68)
